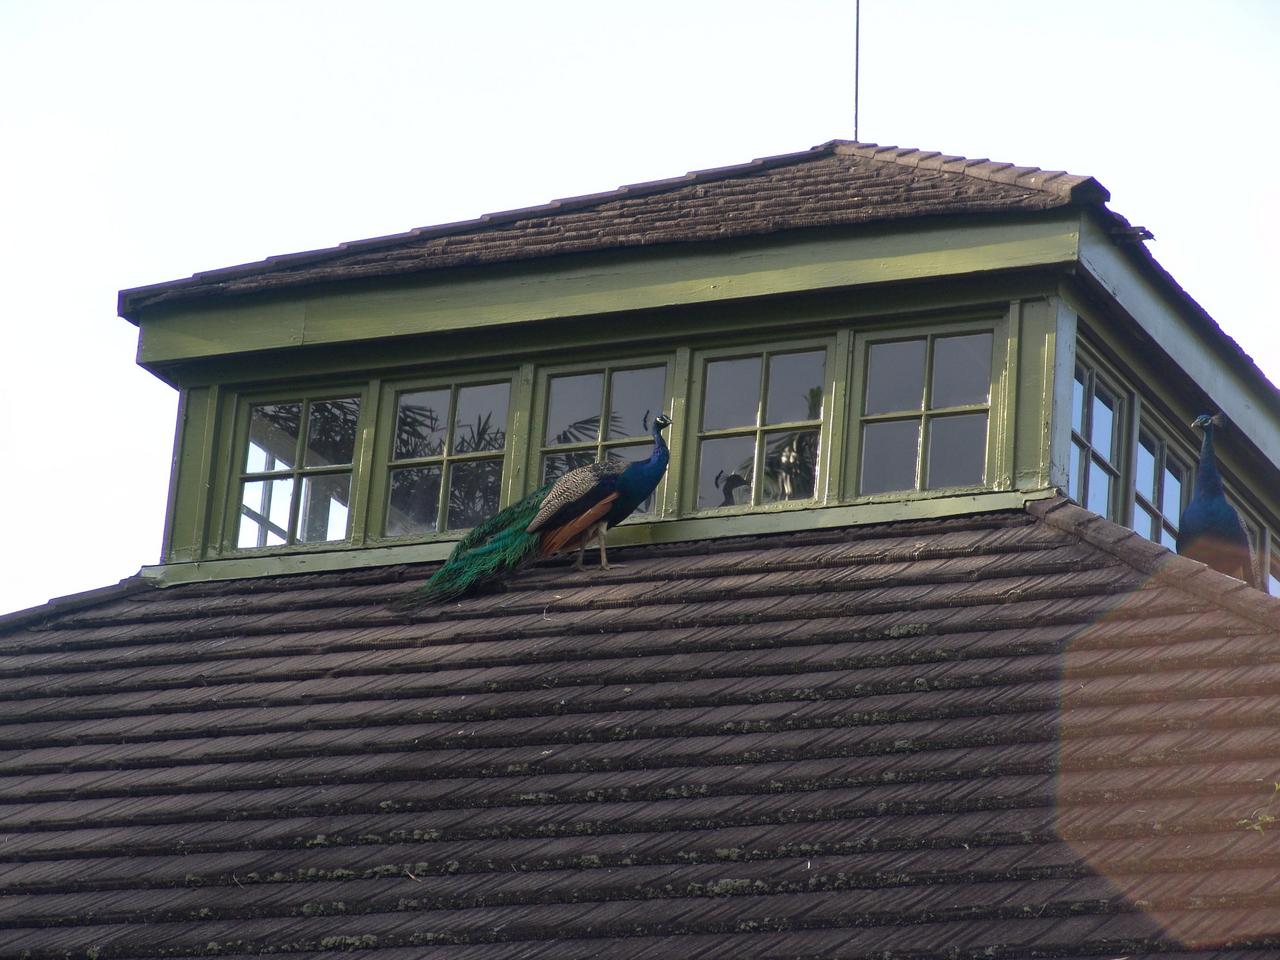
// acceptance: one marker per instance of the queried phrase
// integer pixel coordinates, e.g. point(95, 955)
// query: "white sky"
point(145, 141)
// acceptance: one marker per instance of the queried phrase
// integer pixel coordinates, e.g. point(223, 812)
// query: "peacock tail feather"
point(488, 552)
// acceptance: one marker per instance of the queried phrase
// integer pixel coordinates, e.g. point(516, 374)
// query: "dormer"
point(846, 335)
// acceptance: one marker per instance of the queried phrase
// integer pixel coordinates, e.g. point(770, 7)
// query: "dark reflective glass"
point(895, 377)
point(725, 468)
point(480, 420)
point(889, 454)
point(732, 394)
point(573, 410)
point(474, 487)
point(331, 432)
point(1099, 500)
point(422, 420)
point(635, 398)
point(1144, 471)
point(1171, 493)
point(961, 370)
point(790, 465)
point(630, 454)
point(273, 437)
point(1077, 401)
point(795, 387)
point(957, 451)
point(323, 513)
point(556, 465)
point(414, 504)
point(264, 512)
point(1102, 430)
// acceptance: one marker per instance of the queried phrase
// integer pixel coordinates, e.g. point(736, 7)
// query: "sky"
point(145, 141)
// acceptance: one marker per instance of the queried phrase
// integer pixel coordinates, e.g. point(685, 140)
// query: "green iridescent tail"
point(490, 551)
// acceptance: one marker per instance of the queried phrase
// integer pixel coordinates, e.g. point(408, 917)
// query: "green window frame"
point(767, 442)
point(295, 461)
point(927, 419)
point(435, 473)
point(1098, 442)
point(1161, 487)
point(617, 401)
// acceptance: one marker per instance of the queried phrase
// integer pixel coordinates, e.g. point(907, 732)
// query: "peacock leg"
point(582, 548)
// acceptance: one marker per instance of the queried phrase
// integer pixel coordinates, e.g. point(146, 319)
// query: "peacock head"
point(1207, 420)
point(662, 421)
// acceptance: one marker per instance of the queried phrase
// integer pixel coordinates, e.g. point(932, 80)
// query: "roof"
point(1017, 733)
point(838, 183)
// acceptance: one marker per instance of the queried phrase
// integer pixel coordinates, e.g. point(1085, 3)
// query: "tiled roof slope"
point(834, 184)
point(1009, 734)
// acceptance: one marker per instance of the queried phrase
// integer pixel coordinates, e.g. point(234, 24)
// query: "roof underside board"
point(962, 737)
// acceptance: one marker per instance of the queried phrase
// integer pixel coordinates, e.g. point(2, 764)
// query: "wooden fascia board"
point(1245, 396)
point(602, 285)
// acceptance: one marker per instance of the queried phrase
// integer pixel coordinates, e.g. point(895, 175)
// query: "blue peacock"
point(1210, 529)
point(567, 513)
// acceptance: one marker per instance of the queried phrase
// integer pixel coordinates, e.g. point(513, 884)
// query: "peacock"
point(569, 512)
point(1210, 529)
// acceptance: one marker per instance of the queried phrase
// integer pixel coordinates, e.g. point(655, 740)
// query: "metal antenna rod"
point(857, 30)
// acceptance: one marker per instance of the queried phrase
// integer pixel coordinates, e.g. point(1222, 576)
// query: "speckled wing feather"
point(574, 486)
point(571, 533)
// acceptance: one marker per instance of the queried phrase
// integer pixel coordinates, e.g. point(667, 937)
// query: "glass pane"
point(1099, 489)
point(414, 504)
point(725, 468)
point(635, 398)
point(323, 514)
point(1144, 478)
point(1146, 523)
point(795, 387)
point(1077, 401)
point(480, 420)
point(555, 465)
point(1102, 430)
point(961, 370)
point(889, 454)
point(957, 451)
point(1075, 479)
point(1273, 575)
point(573, 410)
point(1171, 493)
point(473, 492)
point(421, 421)
point(331, 432)
point(732, 395)
point(273, 436)
point(630, 454)
point(264, 512)
point(790, 465)
point(1168, 538)
point(895, 377)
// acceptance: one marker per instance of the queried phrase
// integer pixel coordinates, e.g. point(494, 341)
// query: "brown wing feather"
point(553, 541)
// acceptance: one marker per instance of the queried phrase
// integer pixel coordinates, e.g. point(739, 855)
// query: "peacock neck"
point(659, 455)
point(1208, 480)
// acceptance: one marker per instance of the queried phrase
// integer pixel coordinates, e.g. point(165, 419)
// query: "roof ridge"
point(1158, 561)
point(1075, 187)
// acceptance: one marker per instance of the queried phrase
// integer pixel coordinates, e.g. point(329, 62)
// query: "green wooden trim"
point(515, 476)
point(195, 466)
point(586, 286)
point(632, 534)
point(678, 433)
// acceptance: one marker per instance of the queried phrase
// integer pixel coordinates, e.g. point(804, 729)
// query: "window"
point(1161, 487)
point(760, 423)
point(1094, 472)
point(445, 467)
point(605, 413)
point(925, 412)
point(1273, 569)
point(295, 476)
